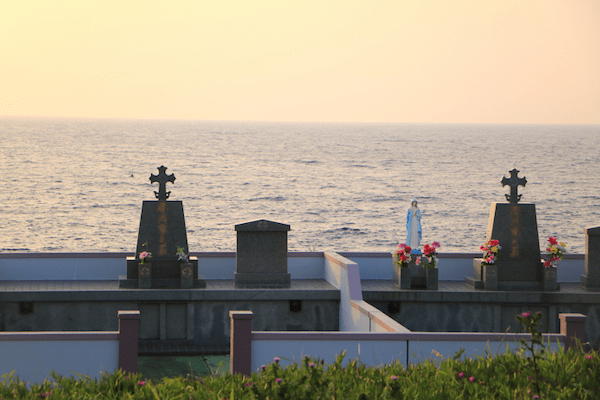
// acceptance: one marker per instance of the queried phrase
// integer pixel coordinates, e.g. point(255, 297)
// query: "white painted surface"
point(33, 361)
point(420, 351)
point(62, 269)
point(373, 353)
point(105, 266)
point(377, 352)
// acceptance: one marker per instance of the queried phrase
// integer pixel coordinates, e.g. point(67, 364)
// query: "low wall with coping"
point(221, 265)
point(250, 350)
point(33, 355)
point(356, 315)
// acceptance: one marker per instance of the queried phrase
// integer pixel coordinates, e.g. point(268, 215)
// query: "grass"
point(561, 375)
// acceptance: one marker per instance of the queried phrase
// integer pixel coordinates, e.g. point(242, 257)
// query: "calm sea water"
point(73, 185)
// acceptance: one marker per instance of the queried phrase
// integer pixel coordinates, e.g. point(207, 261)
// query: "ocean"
point(77, 185)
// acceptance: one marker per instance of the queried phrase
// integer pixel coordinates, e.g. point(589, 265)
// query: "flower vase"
point(187, 276)
point(404, 278)
point(431, 278)
point(145, 275)
point(550, 276)
point(489, 276)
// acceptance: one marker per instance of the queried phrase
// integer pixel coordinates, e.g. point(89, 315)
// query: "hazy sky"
point(496, 61)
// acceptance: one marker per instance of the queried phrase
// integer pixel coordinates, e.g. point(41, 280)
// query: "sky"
point(426, 61)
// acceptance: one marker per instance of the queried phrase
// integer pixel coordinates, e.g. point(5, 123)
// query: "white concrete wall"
point(419, 351)
point(372, 352)
point(64, 268)
point(33, 361)
point(108, 266)
point(343, 274)
point(374, 349)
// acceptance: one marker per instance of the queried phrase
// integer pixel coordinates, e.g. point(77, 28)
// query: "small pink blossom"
point(276, 360)
point(263, 367)
point(526, 314)
point(311, 364)
point(141, 383)
point(278, 380)
point(435, 245)
point(394, 378)
point(589, 357)
point(461, 374)
point(472, 379)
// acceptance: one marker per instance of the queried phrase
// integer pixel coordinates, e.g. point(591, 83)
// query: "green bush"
point(560, 375)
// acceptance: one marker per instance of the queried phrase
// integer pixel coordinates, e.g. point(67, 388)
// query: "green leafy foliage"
point(568, 375)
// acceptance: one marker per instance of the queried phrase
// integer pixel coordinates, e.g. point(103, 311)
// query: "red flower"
point(552, 240)
point(403, 257)
point(494, 242)
point(407, 249)
point(547, 263)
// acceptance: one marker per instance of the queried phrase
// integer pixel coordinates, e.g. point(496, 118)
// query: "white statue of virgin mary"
point(413, 226)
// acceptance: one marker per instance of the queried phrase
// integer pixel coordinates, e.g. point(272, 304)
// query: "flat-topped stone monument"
point(163, 235)
point(261, 257)
point(519, 265)
point(591, 280)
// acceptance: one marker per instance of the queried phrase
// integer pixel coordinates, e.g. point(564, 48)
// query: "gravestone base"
point(590, 283)
point(268, 279)
point(488, 277)
point(164, 275)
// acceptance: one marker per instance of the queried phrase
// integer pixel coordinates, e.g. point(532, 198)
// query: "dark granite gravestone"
point(519, 265)
point(261, 257)
point(162, 231)
point(591, 280)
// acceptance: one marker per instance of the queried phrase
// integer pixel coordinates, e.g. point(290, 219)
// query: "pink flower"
point(402, 246)
point(461, 374)
point(141, 383)
point(278, 380)
point(435, 245)
point(394, 378)
point(263, 367)
point(526, 314)
point(552, 240)
point(418, 260)
point(276, 360)
point(144, 254)
point(589, 357)
point(472, 379)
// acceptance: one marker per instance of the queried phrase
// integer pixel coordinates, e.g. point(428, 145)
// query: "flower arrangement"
point(490, 251)
point(181, 255)
point(403, 255)
point(555, 251)
point(429, 258)
point(145, 257)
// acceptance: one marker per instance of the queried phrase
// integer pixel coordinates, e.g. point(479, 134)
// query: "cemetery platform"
point(80, 292)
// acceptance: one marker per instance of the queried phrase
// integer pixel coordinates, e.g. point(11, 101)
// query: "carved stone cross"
point(513, 182)
point(162, 178)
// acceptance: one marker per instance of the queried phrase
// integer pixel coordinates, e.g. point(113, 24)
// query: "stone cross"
point(513, 182)
point(162, 178)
